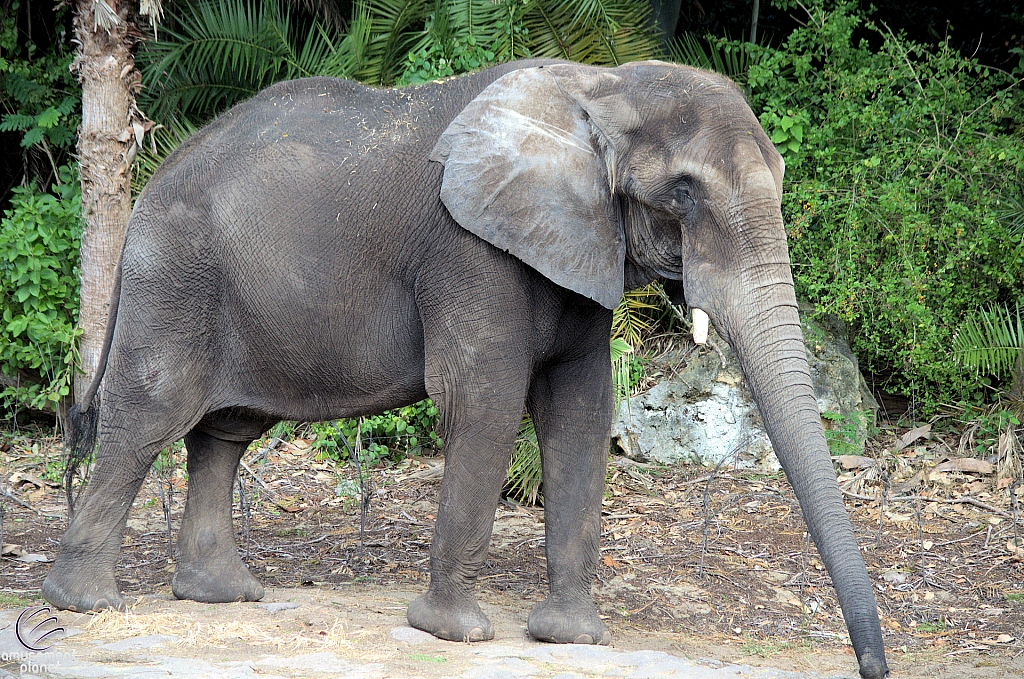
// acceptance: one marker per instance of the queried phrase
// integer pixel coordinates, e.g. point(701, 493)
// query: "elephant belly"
point(329, 351)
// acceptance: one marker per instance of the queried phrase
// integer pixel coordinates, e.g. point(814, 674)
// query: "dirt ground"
point(700, 563)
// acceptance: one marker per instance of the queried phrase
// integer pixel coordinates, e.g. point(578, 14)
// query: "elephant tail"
point(80, 441)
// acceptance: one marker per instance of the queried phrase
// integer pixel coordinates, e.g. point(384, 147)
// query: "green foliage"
point(992, 341)
point(902, 162)
point(38, 95)
point(403, 431)
point(214, 54)
point(728, 57)
point(39, 240)
point(845, 433)
point(524, 470)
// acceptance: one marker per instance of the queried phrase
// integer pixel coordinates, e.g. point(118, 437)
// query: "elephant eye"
point(683, 195)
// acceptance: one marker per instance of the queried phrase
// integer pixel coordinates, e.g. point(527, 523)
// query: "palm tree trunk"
point(106, 148)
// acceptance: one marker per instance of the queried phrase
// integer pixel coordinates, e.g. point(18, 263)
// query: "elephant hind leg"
point(207, 565)
point(82, 576)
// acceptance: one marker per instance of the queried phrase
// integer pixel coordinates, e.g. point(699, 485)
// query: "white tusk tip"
point(700, 326)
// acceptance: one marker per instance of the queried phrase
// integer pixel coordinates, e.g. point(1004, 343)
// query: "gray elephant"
point(327, 250)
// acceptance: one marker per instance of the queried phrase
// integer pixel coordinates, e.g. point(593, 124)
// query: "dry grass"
point(198, 630)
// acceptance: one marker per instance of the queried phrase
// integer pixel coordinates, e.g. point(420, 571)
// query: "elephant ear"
point(527, 169)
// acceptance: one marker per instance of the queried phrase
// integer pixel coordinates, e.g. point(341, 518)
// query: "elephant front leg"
point(571, 406)
point(476, 463)
point(207, 565)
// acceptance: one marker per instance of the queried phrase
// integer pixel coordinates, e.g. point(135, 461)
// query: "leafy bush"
point(403, 431)
point(900, 162)
point(39, 240)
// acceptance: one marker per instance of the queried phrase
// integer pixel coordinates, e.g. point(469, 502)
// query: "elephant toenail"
point(583, 639)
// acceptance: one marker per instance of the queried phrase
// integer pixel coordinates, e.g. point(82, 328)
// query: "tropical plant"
point(991, 342)
point(213, 54)
point(39, 98)
point(728, 57)
point(524, 470)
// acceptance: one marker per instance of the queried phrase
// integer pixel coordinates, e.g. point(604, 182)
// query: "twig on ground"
point(165, 503)
point(707, 514)
point(1013, 509)
point(245, 509)
point(26, 505)
point(881, 512)
point(963, 499)
point(257, 477)
point(920, 532)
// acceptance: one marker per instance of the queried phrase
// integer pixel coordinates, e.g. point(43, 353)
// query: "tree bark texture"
point(107, 144)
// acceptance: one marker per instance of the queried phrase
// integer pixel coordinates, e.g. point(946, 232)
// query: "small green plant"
point(524, 470)
point(991, 342)
point(987, 427)
point(845, 433)
point(1015, 597)
point(937, 626)
point(764, 648)
point(14, 601)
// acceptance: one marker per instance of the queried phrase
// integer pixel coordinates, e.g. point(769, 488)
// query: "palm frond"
point(524, 470)
point(603, 32)
point(396, 27)
point(991, 340)
point(164, 140)
point(730, 58)
point(1011, 214)
point(620, 351)
point(630, 319)
point(219, 53)
point(329, 12)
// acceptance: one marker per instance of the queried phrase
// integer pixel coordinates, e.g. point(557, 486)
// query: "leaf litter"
point(943, 546)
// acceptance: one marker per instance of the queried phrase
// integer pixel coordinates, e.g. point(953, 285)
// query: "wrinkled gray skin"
point(325, 250)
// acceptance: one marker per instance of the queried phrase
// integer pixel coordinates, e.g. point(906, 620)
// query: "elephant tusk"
point(700, 326)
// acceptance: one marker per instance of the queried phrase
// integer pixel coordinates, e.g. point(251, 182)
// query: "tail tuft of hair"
point(79, 444)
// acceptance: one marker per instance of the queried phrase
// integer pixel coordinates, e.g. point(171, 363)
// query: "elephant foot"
point(77, 591)
point(460, 620)
point(568, 621)
point(215, 582)
point(872, 667)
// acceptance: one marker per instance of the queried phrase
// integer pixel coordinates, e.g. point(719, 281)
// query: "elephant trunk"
point(764, 329)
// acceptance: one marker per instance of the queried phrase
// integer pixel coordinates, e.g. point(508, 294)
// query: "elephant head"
point(597, 177)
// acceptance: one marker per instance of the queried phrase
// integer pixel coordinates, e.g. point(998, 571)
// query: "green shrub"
point(900, 162)
point(39, 239)
point(403, 431)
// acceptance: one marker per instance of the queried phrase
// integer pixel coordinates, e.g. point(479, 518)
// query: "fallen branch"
point(963, 499)
point(256, 476)
point(26, 505)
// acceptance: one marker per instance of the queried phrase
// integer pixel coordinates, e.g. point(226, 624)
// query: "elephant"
point(328, 250)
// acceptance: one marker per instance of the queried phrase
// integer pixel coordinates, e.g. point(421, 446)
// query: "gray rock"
point(411, 635)
point(140, 642)
point(703, 412)
point(278, 606)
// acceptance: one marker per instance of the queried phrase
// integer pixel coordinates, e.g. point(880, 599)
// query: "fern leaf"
point(990, 340)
